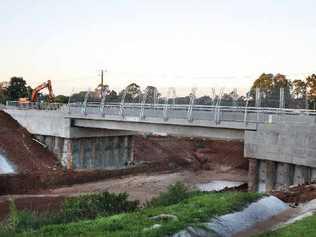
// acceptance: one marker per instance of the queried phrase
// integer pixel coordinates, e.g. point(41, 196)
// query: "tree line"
point(297, 93)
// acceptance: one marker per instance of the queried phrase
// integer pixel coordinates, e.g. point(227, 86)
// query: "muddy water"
point(5, 167)
point(218, 185)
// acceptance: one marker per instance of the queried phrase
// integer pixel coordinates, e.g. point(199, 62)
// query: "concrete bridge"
point(280, 143)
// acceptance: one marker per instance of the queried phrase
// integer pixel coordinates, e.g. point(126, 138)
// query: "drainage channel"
point(5, 167)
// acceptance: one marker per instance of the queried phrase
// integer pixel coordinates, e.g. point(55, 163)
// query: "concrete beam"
point(54, 123)
point(170, 129)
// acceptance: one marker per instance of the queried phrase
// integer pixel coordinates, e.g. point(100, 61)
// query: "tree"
point(299, 89)
point(264, 82)
point(17, 88)
point(133, 93)
point(204, 100)
point(61, 99)
point(3, 96)
point(152, 94)
point(311, 87)
point(3, 92)
point(270, 89)
point(78, 97)
point(112, 96)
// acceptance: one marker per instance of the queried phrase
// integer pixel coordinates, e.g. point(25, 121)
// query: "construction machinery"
point(36, 91)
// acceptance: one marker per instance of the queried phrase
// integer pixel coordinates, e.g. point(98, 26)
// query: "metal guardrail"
point(189, 112)
point(33, 105)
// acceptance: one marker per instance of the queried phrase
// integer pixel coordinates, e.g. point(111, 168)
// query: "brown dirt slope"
point(192, 153)
point(17, 145)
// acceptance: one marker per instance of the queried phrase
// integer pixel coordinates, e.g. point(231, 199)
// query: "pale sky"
point(163, 43)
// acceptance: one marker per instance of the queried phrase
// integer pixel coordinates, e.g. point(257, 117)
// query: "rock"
point(164, 217)
point(155, 226)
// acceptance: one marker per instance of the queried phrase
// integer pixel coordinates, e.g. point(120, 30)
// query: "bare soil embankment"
point(26, 155)
point(194, 154)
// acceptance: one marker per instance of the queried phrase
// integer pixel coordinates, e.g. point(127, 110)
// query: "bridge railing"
point(167, 112)
point(33, 105)
point(164, 112)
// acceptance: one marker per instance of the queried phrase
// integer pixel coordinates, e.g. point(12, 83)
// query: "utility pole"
point(101, 78)
point(102, 86)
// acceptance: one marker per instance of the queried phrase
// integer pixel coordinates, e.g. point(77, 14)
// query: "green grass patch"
point(190, 211)
point(303, 228)
point(84, 207)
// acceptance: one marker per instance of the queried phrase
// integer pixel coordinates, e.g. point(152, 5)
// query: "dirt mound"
point(297, 194)
point(191, 153)
point(18, 146)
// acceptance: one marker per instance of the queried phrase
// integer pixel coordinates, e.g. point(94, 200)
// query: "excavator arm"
point(44, 85)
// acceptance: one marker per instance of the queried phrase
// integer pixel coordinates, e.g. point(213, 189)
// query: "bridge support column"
point(271, 174)
point(253, 175)
point(313, 174)
point(58, 147)
point(112, 152)
point(284, 175)
point(66, 159)
point(302, 174)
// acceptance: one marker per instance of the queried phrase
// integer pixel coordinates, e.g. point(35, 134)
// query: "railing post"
point(306, 100)
point(258, 103)
point(155, 100)
point(102, 104)
point(281, 102)
point(165, 109)
point(69, 99)
point(235, 97)
point(217, 106)
point(85, 103)
point(190, 109)
point(122, 110)
point(246, 111)
point(142, 106)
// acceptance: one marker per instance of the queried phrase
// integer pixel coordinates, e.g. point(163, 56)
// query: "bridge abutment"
point(281, 154)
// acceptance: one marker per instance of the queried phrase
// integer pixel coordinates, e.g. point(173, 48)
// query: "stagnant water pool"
point(217, 185)
point(5, 167)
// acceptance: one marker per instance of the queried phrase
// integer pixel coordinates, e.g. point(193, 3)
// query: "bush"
point(93, 205)
point(176, 193)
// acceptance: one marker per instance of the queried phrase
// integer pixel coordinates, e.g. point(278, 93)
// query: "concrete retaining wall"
point(91, 153)
point(293, 143)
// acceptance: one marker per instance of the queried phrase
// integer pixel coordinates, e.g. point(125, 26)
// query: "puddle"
point(5, 167)
point(218, 185)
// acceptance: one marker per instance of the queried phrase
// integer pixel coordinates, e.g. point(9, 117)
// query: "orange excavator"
point(36, 91)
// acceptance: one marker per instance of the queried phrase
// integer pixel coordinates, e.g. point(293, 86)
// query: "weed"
point(175, 193)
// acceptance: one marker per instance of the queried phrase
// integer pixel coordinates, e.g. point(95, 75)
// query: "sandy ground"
point(143, 187)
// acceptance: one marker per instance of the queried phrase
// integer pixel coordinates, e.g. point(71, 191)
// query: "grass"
point(302, 228)
point(191, 211)
point(88, 206)
point(108, 214)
